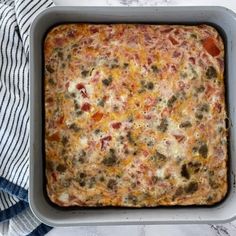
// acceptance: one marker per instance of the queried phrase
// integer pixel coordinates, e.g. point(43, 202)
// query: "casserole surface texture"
point(135, 115)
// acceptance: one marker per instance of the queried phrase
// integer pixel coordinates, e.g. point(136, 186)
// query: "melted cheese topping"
point(135, 115)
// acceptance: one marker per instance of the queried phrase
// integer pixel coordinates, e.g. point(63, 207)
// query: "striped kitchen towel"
point(15, 19)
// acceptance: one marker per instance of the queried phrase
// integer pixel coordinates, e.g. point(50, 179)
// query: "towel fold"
point(16, 17)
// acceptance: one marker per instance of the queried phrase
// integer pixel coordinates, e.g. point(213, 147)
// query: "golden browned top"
point(135, 115)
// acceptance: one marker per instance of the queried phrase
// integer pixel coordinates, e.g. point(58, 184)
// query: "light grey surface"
point(56, 217)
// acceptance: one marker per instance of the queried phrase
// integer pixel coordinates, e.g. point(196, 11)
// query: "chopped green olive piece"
point(102, 179)
point(171, 101)
point(97, 131)
point(112, 184)
point(193, 36)
point(199, 115)
point(76, 105)
point(183, 75)
point(101, 102)
point(150, 144)
point(74, 127)
point(82, 175)
point(192, 187)
point(203, 150)
point(49, 165)
point(112, 151)
point(64, 140)
point(61, 168)
point(51, 81)
point(130, 119)
point(84, 73)
point(213, 183)
point(66, 182)
point(209, 199)
point(126, 65)
point(79, 113)
point(185, 124)
point(111, 159)
point(91, 71)
point(179, 191)
point(107, 82)
point(82, 183)
point(114, 66)
point(130, 138)
point(132, 198)
point(92, 182)
point(154, 68)
point(81, 156)
point(204, 107)
point(184, 172)
point(160, 156)
point(194, 166)
point(81, 160)
point(126, 151)
point(211, 73)
point(163, 125)
point(150, 85)
point(142, 83)
point(75, 45)
point(155, 179)
point(195, 149)
point(200, 89)
point(73, 95)
point(60, 55)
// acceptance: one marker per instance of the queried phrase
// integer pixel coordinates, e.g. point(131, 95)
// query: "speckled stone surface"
point(228, 229)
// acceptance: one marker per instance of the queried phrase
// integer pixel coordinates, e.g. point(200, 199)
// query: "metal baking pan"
point(223, 19)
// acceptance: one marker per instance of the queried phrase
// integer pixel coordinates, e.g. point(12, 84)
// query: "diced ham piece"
point(54, 137)
point(97, 116)
point(116, 125)
point(54, 176)
point(179, 138)
point(105, 141)
point(86, 107)
point(82, 90)
point(173, 41)
point(210, 46)
point(217, 107)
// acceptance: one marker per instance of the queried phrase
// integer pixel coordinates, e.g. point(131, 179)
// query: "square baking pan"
point(223, 19)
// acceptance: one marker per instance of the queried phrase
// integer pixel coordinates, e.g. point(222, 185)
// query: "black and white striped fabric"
point(15, 19)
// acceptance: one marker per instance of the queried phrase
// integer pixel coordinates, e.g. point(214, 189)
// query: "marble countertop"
point(228, 229)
